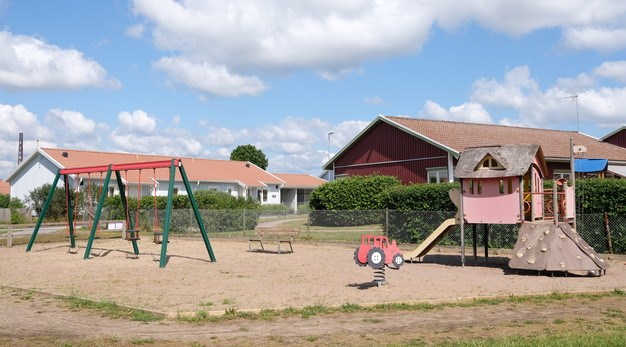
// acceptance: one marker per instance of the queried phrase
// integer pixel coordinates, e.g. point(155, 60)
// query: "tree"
point(251, 154)
point(58, 206)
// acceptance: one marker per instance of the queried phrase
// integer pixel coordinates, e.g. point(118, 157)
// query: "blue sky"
point(200, 77)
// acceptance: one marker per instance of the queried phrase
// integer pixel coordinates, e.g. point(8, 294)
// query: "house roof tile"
point(300, 180)
point(203, 170)
point(554, 143)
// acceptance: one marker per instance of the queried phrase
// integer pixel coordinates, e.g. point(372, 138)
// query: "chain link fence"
point(605, 233)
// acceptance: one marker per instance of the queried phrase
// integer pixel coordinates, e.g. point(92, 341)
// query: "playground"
point(315, 274)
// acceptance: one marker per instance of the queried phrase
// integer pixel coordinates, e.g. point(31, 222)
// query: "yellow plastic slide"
point(431, 240)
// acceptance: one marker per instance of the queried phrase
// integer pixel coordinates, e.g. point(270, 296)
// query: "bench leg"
point(260, 243)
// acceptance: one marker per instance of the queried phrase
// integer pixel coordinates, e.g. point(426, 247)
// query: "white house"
point(238, 178)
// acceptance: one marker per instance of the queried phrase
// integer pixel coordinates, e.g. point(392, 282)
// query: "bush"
point(17, 217)
point(57, 209)
point(182, 218)
point(7, 202)
point(358, 193)
point(406, 225)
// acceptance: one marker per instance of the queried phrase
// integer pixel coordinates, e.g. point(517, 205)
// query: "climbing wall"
point(545, 246)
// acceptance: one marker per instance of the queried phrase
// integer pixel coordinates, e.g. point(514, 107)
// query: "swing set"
point(132, 232)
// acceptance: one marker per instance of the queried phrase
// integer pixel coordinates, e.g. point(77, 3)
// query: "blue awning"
point(590, 165)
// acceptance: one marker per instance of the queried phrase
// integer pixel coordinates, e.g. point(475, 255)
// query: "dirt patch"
point(316, 274)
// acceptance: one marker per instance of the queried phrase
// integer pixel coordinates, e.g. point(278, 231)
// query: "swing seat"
point(132, 235)
point(158, 237)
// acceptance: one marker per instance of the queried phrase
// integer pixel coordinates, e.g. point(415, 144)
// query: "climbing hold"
point(562, 264)
point(578, 257)
point(520, 253)
point(562, 236)
point(544, 249)
point(531, 260)
point(529, 247)
point(547, 231)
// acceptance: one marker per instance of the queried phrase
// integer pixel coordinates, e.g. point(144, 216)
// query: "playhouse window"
point(489, 163)
point(501, 187)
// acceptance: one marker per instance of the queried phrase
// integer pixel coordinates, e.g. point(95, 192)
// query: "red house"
point(421, 150)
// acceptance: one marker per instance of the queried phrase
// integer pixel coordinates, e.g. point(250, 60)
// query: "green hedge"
point(220, 211)
point(357, 193)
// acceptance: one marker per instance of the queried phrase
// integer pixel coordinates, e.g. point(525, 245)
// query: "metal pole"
point(462, 222)
point(196, 211)
point(555, 204)
point(43, 212)
point(168, 215)
point(96, 216)
point(572, 170)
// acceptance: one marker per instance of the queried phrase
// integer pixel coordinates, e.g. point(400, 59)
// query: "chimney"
point(20, 149)
point(65, 154)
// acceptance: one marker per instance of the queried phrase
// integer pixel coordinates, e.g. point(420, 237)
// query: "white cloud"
point(163, 144)
point(137, 122)
point(557, 106)
point(207, 78)
point(595, 38)
point(374, 100)
point(514, 91)
point(240, 42)
point(135, 31)
point(467, 112)
point(220, 136)
point(70, 122)
point(615, 70)
point(28, 63)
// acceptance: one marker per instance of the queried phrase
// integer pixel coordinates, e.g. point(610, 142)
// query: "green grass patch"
point(310, 311)
point(112, 310)
point(597, 338)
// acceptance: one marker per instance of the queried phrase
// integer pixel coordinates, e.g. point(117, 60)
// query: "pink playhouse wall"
point(491, 201)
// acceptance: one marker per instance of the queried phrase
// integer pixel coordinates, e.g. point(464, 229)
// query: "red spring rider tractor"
point(376, 251)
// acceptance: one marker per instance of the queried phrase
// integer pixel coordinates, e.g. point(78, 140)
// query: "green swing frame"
point(117, 168)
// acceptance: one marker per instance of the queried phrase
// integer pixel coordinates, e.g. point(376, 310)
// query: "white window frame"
point(440, 174)
point(562, 174)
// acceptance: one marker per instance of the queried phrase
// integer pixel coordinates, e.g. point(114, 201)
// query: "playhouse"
point(504, 185)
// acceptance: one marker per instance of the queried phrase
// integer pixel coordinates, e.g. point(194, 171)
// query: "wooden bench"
point(281, 235)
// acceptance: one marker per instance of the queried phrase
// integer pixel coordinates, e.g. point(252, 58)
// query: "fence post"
point(244, 222)
point(386, 232)
point(608, 232)
point(308, 225)
point(10, 237)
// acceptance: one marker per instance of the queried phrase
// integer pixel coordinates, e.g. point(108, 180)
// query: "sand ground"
point(316, 273)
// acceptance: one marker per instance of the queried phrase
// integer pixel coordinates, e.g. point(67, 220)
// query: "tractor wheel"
point(356, 258)
point(376, 258)
point(398, 260)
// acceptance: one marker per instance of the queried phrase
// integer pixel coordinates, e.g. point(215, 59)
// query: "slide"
point(431, 240)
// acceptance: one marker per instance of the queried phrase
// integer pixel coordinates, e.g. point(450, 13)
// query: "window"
point(175, 191)
point(561, 174)
point(437, 175)
point(489, 163)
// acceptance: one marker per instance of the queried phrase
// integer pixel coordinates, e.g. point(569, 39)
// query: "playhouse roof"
point(515, 160)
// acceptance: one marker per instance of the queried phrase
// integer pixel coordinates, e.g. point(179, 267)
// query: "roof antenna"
point(575, 98)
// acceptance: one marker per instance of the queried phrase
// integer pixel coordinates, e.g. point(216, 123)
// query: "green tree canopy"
point(250, 153)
